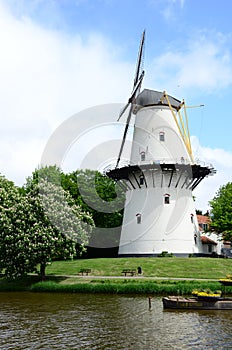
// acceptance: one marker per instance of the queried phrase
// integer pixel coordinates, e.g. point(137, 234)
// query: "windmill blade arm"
point(123, 110)
point(137, 87)
point(124, 136)
point(137, 84)
point(140, 56)
point(122, 145)
point(134, 92)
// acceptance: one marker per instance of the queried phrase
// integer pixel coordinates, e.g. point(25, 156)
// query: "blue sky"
point(59, 57)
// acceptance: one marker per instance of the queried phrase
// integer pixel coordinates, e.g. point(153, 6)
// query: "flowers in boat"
point(206, 293)
point(195, 292)
point(227, 279)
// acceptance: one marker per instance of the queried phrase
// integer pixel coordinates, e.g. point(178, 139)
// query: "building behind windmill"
point(159, 213)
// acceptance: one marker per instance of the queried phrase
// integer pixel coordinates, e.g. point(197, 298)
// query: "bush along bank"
point(129, 287)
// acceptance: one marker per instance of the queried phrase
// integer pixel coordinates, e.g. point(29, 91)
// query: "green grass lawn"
point(63, 276)
point(196, 268)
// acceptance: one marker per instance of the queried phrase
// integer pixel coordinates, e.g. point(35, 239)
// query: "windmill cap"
point(156, 98)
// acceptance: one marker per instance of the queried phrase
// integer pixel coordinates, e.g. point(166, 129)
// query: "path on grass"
point(137, 277)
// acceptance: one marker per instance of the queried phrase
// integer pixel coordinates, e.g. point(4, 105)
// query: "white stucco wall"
point(149, 123)
point(164, 227)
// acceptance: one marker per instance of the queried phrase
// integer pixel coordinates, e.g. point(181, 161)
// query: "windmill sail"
point(139, 74)
point(140, 59)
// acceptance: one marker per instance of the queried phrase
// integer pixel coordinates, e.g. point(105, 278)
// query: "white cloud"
point(169, 9)
point(47, 76)
point(222, 162)
point(203, 63)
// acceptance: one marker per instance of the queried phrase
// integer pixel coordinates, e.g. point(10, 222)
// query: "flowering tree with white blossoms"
point(37, 226)
point(9, 201)
point(71, 226)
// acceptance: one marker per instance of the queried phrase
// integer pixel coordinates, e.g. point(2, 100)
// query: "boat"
point(197, 303)
point(202, 300)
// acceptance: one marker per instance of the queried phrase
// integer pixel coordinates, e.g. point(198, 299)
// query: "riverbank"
point(160, 276)
point(126, 286)
point(64, 284)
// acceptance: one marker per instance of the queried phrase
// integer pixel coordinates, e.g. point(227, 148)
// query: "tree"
point(97, 194)
point(9, 201)
point(65, 228)
point(100, 196)
point(50, 174)
point(221, 211)
point(93, 193)
point(38, 225)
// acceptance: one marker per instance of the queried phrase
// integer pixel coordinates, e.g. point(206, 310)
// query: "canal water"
point(112, 322)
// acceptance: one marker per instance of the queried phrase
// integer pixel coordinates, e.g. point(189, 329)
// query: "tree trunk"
point(42, 270)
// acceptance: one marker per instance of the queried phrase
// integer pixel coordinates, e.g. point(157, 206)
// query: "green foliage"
point(221, 212)
point(100, 196)
point(97, 194)
point(126, 287)
point(51, 174)
point(10, 224)
point(53, 216)
point(165, 254)
point(39, 224)
point(19, 284)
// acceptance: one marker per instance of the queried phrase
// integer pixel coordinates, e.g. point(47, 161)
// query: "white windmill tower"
point(159, 213)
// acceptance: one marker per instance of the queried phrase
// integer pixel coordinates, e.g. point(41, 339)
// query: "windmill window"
point(167, 199)
point(141, 180)
point(138, 218)
point(162, 136)
point(192, 218)
point(142, 155)
point(195, 238)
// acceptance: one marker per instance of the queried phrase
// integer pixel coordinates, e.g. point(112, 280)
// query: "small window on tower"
point(167, 199)
point(162, 136)
point(195, 238)
point(139, 218)
point(141, 180)
point(142, 155)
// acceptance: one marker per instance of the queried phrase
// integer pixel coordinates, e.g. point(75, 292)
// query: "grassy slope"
point(195, 268)
point(152, 267)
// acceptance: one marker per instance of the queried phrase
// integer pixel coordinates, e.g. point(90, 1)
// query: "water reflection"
point(80, 321)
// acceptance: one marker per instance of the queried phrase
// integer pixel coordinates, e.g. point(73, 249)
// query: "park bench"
point(85, 271)
point(130, 272)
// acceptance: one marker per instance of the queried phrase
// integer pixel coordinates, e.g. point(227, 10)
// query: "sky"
point(61, 57)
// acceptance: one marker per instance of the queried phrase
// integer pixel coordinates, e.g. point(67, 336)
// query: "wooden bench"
point(85, 271)
point(129, 272)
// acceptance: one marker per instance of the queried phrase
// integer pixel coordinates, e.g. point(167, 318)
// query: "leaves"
point(221, 212)
point(98, 195)
point(38, 224)
point(54, 216)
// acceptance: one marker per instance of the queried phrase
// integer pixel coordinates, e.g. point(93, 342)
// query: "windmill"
point(159, 213)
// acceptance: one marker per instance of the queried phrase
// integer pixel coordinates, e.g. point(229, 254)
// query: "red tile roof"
point(207, 240)
point(203, 219)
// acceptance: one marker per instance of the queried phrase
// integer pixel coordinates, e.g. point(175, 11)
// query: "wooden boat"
point(202, 300)
point(197, 303)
